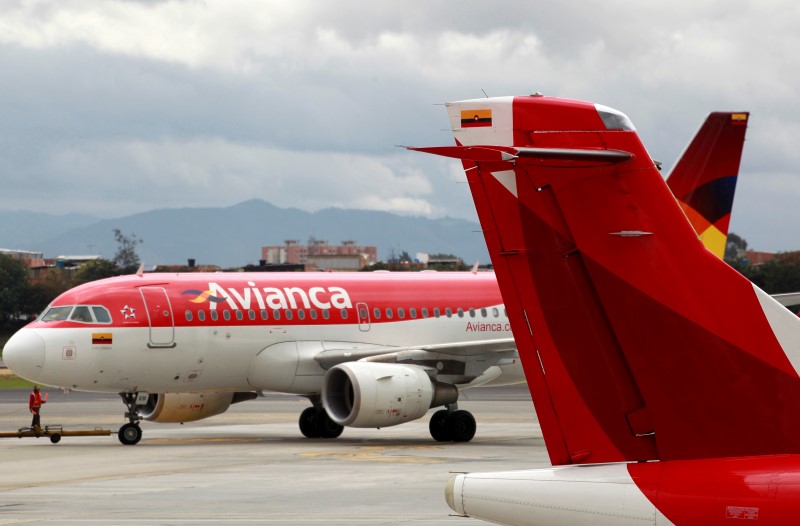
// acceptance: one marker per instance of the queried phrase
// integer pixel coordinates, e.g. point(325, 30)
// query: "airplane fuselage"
point(204, 332)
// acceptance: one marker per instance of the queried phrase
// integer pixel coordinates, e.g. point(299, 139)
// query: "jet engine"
point(372, 394)
point(188, 407)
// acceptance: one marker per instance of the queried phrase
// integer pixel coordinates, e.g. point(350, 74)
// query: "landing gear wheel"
point(326, 427)
point(315, 423)
point(462, 425)
point(55, 438)
point(130, 434)
point(308, 423)
point(440, 430)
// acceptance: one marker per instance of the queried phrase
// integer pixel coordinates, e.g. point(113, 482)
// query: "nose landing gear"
point(130, 434)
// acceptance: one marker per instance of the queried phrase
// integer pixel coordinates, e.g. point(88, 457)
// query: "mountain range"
point(233, 236)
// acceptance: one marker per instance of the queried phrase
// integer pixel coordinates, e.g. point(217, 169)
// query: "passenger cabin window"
point(201, 315)
point(495, 312)
point(460, 312)
point(188, 315)
point(301, 314)
point(483, 313)
point(251, 314)
point(289, 315)
point(276, 314)
point(344, 314)
point(449, 312)
point(436, 312)
point(214, 315)
point(312, 313)
point(326, 313)
point(412, 312)
point(401, 313)
point(376, 313)
point(264, 315)
point(226, 314)
point(471, 312)
point(239, 315)
point(389, 313)
point(424, 312)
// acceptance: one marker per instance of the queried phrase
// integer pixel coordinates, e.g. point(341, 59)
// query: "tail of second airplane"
point(704, 178)
point(628, 356)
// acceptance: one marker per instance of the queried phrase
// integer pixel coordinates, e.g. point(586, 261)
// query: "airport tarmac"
point(250, 465)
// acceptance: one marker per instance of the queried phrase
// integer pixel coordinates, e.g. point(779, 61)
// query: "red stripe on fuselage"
point(300, 291)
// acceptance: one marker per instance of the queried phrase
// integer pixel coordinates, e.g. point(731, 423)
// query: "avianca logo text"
point(273, 298)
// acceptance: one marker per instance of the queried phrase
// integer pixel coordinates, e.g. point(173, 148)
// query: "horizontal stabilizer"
point(507, 154)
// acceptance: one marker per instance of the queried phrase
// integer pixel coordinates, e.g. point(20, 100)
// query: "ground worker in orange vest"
point(35, 405)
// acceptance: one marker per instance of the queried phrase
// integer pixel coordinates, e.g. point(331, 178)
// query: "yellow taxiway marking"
point(376, 454)
point(199, 440)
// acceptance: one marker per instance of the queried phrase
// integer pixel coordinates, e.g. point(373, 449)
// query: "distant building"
point(439, 261)
point(191, 266)
point(337, 262)
point(319, 255)
point(73, 261)
point(31, 258)
point(753, 257)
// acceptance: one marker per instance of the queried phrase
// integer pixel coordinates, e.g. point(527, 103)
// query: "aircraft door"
point(159, 316)
point(363, 317)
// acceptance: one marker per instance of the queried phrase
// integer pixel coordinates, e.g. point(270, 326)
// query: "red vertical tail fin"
point(704, 178)
point(628, 355)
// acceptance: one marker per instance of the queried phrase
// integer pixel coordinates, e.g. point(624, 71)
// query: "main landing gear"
point(452, 425)
point(130, 434)
point(315, 422)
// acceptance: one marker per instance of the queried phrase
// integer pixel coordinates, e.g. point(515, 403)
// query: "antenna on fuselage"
point(140, 270)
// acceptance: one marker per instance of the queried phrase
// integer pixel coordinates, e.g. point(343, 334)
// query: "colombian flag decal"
point(476, 118)
point(101, 338)
point(738, 118)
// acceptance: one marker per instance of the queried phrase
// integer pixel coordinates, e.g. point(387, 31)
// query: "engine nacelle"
point(371, 394)
point(188, 407)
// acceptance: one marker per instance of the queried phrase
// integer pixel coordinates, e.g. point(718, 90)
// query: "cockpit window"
point(81, 314)
point(101, 314)
point(56, 313)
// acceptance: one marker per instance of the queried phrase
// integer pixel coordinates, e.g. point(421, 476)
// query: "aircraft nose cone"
point(24, 354)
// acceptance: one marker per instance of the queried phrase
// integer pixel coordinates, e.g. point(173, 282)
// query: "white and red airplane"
point(667, 386)
point(372, 349)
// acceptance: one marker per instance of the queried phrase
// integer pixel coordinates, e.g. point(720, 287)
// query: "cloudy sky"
point(116, 107)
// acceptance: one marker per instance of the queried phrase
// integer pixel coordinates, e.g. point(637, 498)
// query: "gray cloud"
point(119, 107)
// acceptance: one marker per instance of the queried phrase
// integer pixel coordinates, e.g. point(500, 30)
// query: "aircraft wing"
point(335, 354)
